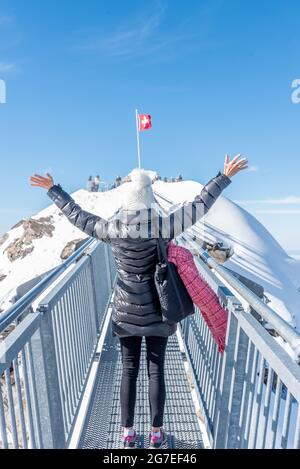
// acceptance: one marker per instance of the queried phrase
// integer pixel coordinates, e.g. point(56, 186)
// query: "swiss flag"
point(145, 122)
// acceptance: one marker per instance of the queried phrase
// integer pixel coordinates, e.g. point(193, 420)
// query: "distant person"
point(179, 178)
point(90, 184)
point(165, 179)
point(97, 183)
point(136, 313)
point(118, 181)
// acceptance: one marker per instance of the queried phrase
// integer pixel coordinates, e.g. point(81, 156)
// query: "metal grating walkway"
point(102, 424)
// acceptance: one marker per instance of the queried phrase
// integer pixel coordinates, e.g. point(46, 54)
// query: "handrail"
point(47, 360)
point(12, 313)
point(286, 331)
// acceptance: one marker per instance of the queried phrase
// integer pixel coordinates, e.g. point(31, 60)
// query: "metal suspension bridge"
point(60, 367)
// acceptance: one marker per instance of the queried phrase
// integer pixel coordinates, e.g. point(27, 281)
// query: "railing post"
point(238, 380)
point(231, 382)
point(107, 265)
point(94, 286)
point(47, 383)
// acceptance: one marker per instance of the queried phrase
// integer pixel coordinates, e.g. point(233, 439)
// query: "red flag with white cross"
point(145, 122)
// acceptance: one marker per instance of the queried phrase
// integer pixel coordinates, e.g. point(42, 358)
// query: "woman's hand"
point(231, 168)
point(39, 181)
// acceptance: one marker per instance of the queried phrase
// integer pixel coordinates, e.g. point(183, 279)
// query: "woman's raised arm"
point(189, 213)
point(89, 223)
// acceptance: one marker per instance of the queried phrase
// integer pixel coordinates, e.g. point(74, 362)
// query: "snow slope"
point(257, 255)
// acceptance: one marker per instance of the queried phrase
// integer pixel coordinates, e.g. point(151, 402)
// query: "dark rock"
point(71, 247)
point(218, 252)
point(33, 229)
point(20, 223)
point(2, 277)
point(3, 238)
point(16, 250)
point(6, 331)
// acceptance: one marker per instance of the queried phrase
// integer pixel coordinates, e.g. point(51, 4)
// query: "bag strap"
point(161, 249)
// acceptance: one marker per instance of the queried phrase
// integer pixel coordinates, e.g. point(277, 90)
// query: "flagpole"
point(138, 136)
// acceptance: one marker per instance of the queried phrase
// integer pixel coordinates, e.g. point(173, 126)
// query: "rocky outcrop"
point(38, 228)
point(2, 277)
point(3, 239)
point(18, 250)
point(33, 229)
point(220, 253)
point(20, 223)
point(71, 247)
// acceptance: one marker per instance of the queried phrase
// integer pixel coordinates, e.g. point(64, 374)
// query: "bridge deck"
point(102, 428)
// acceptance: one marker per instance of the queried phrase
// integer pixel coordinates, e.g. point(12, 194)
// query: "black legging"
point(131, 352)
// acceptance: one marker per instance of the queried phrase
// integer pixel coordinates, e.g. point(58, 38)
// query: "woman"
point(132, 234)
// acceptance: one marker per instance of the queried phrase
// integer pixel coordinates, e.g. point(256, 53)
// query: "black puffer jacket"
point(136, 306)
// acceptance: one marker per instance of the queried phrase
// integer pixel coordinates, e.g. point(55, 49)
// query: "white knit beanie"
point(138, 194)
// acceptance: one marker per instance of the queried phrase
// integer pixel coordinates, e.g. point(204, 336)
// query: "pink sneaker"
point(157, 441)
point(130, 440)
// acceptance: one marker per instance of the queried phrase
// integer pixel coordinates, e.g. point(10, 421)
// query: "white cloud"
point(130, 41)
point(14, 211)
point(277, 211)
point(142, 36)
point(289, 200)
point(6, 67)
point(253, 168)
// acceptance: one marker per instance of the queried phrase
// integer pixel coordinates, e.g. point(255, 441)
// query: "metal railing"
point(16, 310)
point(45, 360)
point(250, 396)
point(285, 330)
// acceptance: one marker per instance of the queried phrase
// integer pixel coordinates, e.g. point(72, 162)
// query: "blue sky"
point(215, 75)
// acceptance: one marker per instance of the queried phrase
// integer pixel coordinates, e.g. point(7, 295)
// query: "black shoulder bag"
point(175, 301)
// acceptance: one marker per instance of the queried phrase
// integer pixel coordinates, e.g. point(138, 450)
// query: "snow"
point(256, 254)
